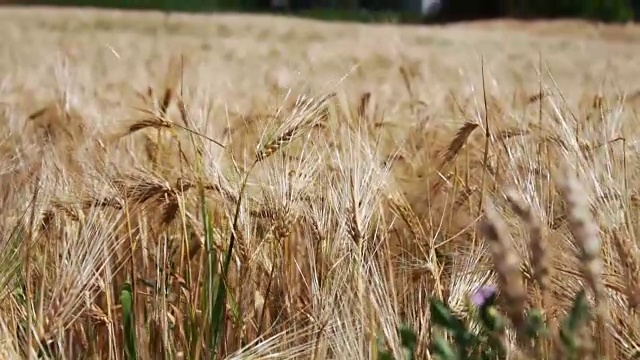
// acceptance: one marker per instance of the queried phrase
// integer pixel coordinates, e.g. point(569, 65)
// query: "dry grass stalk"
point(507, 134)
point(247, 122)
point(463, 197)
point(631, 268)
point(408, 216)
point(507, 266)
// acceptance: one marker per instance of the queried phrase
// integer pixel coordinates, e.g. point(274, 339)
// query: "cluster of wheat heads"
point(311, 230)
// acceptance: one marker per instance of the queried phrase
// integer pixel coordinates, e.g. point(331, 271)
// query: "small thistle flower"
point(483, 295)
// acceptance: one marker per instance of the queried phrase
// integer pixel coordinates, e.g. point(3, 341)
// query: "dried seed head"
point(536, 97)
point(282, 227)
point(364, 105)
point(305, 115)
point(458, 141)
point(274, 145)
point(463, 197)
point(156, 123)
point(353, 227)
point(408, 216)
point(170, 210)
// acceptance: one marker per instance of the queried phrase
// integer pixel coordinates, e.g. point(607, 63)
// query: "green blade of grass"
point(210, 321)
point(128, 321)
point(219, 298)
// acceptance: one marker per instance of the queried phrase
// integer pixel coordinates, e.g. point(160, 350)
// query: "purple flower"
point(480, 297)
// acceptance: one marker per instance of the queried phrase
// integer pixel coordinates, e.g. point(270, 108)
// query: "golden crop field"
point(261, 187)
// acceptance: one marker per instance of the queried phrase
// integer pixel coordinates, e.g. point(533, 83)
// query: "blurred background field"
point(240, 54)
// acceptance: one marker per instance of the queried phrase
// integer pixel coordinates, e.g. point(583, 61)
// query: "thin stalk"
point(28, 265)
point(220, 299)
point(487, 135)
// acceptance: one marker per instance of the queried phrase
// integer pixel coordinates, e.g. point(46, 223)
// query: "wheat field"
point(258, 187)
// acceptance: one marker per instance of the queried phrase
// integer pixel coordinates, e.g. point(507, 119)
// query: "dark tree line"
point(606, 10)
point(455, 10)
point(449, 10)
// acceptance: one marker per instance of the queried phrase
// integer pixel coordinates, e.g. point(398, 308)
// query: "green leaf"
point(441, 315)
point(579, 315)
point(493, 347)
point(491, 319)
point(409, 340)
point(382, 352)
point(441, 349)
point(535, 326)
point(385, 355)
point(212, 280)
point(580, 312)
point(128, 321)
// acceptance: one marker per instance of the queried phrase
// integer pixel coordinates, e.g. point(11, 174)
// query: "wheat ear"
point(462, 135)
point(506, 264)
point(537, 244)
point(585, 232)
point(631, 266)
